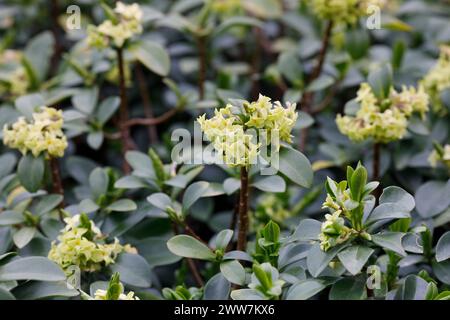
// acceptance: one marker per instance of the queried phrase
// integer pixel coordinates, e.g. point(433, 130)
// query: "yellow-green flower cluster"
point(440, 154)
point(271, 206)
point(344, 11)
point(271, 117)
point(226, 7)
point(127, 25)
point(14, 80)
point(438, 79)
point(333, 231)
point(80, 244)
point(102, 295)
point(43, 134)
point(383, 121)
point(232, 133)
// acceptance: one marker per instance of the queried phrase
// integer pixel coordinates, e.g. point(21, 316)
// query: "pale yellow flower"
point(344, 11)
point(81, 245)
point(101, 295)
point(128, 25)
point(442, 155)
point(333, 231)
point(383, 121)
point(438, 79)
point(43, 134)
point(234, 136)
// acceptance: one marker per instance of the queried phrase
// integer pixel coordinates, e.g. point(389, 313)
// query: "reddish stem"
point(308, 97)
point(148, 110)
point(243, 211)
point(123, 111)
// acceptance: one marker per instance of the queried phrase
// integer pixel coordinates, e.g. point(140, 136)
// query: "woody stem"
point(56, 179)
point(123, 111)
point(308, 97)
point(243, 211)
point(376, 167)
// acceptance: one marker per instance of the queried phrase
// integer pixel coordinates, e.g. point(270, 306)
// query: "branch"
point(191, 264)
point(308, 97)
point(148, 110)
point(151, 121)
point(243, 211)
point(123, 111)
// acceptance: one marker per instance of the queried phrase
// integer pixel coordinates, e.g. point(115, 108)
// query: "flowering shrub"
point(77, 246)
point(225, 150)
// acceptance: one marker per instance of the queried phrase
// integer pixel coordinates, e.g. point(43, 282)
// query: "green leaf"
point(141, 164)
point(189, 247)
point(432, 198)
point(34, 290)
point(388, 211)
point(398, 53)
point(349, 289)
point(88, 206)
point(380, 80)
point(160, 200)
point(130, 182)
point(317, 260)
point(98, 180)
point(231, 185)
point(233, 271)
point(355, 257)
point(290, 67)
point(391, 241)
point(107, 108)
point(307, 230)
point(10, 217)
point(236, 21)
point(95, 139)
point(413, 288)
point(217, 288)
point(38, 52)
point(270, 184)
point(6, 295)
point(294, 165)
point(443, 247)
point(31, 268)
point(358, 182)
point(122, 205)
point(320, 83)
point(133, 269)
point(47, 203)
point(155, 251)
point(223, 239)
point(31, 172)
point(153, 56)
point(246, 294)
point(7, 163)
point(398, 196)
point(23, 236)
point(305, 289)
point(442, 270)
point(86, 100)
point(267, 9)
point(194, 192)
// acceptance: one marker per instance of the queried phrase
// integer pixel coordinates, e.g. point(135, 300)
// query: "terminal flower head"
point(232, 130)
point(42, 134)
point(115, 291)
point(81, 243)
point(383, 121)
point(344, 11)
point(127, 25)
point(333, 231)
point(438, 79)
